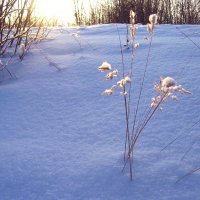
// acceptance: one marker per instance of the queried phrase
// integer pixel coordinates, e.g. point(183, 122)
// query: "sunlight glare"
point(60, 9)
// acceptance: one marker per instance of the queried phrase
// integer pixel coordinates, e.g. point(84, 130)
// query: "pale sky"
point(61, 9)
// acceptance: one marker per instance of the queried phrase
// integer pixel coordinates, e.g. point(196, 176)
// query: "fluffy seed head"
point(136, 45)
point(109, 91)
point(167, 82)
point(127, 79)
point(105, 66)
point(153, 18)
point(113, 87)
point(132, 14)
point(166, 90)
point(123, 81)
point(111, 74)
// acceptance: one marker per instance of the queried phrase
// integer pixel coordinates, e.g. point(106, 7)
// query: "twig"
point(127, 139)
point(142, 85)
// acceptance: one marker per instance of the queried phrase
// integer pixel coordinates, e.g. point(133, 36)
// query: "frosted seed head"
point(121, 83)
point(105, 66)
point(115, 73)
point(111, 74)
point(152, 105)
point(167, 82)
point(132, 14)
point(127, 79)
point(109, 91)
point(136, 45)
point(158, 98)
point(113, 87)
point(153, 18)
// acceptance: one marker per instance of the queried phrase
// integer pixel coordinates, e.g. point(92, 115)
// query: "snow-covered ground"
point(62, 140)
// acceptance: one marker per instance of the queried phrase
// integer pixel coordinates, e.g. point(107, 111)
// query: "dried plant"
point(153, 20)
point(132, 24)
point(17, 30)
point(17, 27)
point(167, 88)
point(109, 91)
point(112, 74)
point(105, 67)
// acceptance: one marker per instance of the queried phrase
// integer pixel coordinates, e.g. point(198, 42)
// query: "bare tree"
point(117, 11)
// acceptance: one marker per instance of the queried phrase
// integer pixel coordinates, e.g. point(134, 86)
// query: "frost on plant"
point(123, 81)
point(136, 45)
point(153, 20)
point(105, 67)
point(109, 91)
point(167, 89)
point(132, 24)
point(111, 74)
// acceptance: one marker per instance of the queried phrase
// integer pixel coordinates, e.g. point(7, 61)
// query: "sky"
point(61, 9)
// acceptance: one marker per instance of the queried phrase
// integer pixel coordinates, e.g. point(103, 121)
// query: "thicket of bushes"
point(18, 25)
point(117, 11)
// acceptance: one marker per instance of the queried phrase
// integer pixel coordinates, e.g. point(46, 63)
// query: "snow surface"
point(62, 140)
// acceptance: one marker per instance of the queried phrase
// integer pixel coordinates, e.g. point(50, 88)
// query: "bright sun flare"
point(61, 9)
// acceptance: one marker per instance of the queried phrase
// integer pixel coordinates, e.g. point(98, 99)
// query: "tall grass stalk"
point(127, 137)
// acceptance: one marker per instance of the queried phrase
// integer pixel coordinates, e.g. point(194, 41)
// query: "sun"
point(60, 9)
